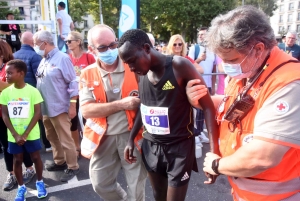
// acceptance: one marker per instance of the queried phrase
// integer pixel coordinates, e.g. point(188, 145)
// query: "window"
point(299, 5)
point(280, 18)
point(298, 28)
point(291, 6)
point(298, 18)
point(290, 17)
point(281, 8)
point(85, 23)
point(21, 9)
point(280, 28)
point(288, 27)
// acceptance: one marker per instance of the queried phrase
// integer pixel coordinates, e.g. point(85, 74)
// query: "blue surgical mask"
point(108, 57)
point(235, 70)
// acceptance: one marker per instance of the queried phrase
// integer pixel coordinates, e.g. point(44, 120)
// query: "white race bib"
point(155, 119)
point(18, 109)
point(13, 37)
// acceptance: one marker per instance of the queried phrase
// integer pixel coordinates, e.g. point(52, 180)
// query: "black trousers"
point(8, 158)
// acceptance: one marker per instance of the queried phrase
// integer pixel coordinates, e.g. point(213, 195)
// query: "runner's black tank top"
point(167, 93)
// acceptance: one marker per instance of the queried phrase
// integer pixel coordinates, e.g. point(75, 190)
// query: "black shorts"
point(175, 162)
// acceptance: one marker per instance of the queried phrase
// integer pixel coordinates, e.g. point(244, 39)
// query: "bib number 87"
point(155, 121)
point(16, 112)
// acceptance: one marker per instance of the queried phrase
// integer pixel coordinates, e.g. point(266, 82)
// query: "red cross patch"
point(281, 107)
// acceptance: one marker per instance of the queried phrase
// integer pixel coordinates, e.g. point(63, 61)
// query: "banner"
point(129, 16)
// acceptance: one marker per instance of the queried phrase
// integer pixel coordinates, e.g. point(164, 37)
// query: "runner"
point(168, 149)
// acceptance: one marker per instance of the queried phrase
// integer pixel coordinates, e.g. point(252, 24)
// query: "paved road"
point(80, 189)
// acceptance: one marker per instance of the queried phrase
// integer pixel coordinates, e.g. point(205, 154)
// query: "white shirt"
point(207, 65)
point(66, 22)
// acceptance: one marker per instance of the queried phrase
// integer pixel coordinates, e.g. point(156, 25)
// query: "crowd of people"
point(143, 109)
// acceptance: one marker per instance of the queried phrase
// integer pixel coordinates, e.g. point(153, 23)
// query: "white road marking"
point(73, 183)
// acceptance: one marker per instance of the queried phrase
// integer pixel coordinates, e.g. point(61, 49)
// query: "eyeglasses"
point(290, 38)
point(69, 41)
point(104, 48)
point(177, 44)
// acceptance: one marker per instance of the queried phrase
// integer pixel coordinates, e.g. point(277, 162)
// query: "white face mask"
point(38, 50)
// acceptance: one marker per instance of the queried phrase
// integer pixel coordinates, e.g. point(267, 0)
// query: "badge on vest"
point(281, 107)
point(155, 119)
point(247, 139)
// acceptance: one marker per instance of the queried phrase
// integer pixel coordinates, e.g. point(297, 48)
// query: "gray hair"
point(151, 37)
point(98, 26)
point(240, 29)
point(293, 33)
point(44, 36)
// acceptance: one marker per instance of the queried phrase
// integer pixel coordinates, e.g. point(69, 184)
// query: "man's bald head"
point(27, 38)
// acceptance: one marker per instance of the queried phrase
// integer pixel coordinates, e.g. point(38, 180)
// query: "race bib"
point(18, 109)
point(155, 119)
point(13, 37)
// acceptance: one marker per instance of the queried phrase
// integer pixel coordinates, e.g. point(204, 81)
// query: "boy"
point(21, 112)
point(168, 149)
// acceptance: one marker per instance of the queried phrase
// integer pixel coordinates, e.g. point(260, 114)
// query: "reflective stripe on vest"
point(266, 187)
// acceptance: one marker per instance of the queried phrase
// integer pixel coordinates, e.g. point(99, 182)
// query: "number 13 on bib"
point(155, 119)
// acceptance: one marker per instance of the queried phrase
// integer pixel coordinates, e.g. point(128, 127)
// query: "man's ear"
point(260, 48)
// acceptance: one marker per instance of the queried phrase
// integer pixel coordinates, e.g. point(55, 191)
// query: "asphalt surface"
point(80, 189)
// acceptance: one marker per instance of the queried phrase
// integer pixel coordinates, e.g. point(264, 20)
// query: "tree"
point(4, 11)
point(268, 6)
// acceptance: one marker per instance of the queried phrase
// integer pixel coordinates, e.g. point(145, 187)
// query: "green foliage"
point(164, 18)
point(4, 11)
point(268, 6)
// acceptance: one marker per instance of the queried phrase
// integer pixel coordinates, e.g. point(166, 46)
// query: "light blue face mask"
point(108, 57)
point(235, 70)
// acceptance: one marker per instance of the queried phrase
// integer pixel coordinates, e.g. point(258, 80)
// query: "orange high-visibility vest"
point(279, 182)
point(95, 128)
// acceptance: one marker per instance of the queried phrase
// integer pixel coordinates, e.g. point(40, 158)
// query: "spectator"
point(21, 112)
point(56, 80)
point(12, 32)
point(28, 174)
point(177, 46)
point(65, 24)
point(80, 60)
point(290, 46)
point(32, 60)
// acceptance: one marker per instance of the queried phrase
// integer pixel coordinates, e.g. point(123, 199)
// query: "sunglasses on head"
point(177, 44)
point(69, 41)
point(104, 48)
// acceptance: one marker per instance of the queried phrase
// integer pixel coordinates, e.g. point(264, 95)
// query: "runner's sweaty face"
point(138, 59)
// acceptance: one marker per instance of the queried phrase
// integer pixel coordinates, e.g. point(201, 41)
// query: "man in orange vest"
point(259, 114)
point(108, 99)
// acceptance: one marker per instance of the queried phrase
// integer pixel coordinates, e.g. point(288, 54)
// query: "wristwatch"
point(215, 166)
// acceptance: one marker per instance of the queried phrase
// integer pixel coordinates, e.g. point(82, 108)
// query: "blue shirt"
point(32, 60)
point(294, 50)
point(56, 80)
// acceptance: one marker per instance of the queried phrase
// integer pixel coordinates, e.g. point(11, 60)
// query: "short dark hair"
point(62, 4)
point(9, 14)
point(18, 64)
point(283, 37)
point(136, 37)
point(203, 28)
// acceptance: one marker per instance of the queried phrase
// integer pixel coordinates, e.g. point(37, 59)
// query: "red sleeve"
point(189, 58)
point(91, 59)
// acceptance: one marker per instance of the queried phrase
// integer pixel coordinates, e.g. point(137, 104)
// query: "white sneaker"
point(203, 138)
point(49, 149)
point(197, 140)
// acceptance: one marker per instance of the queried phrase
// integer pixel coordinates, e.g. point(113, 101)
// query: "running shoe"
point(28, 175)
point(10, 182)
point(41, 190)
point(22, 191)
